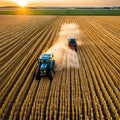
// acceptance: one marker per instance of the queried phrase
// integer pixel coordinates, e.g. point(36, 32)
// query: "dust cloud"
point(64, 56)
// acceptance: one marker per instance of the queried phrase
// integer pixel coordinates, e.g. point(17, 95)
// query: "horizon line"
point(58, 6)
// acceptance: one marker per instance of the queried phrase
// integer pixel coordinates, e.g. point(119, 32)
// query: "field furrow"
point(85, 90)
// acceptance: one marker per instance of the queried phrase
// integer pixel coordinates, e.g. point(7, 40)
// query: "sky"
point(60, 2)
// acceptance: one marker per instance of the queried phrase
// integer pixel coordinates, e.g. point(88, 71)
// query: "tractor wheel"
point(50, 75)
point(37, 74)
point(76, 49)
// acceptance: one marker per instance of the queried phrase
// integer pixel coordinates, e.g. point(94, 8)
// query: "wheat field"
point(89, 92)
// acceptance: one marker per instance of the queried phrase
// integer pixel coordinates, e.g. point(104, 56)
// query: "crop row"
point(90, 92)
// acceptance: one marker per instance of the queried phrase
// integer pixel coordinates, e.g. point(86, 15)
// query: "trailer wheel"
point(76, 48)
point(37, 74)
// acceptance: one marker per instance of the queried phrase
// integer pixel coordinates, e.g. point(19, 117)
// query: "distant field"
point(61, 12)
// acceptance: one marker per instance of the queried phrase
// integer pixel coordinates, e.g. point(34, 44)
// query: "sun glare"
point(22, 3)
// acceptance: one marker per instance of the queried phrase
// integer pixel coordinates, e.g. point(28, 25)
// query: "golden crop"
point(91, 92)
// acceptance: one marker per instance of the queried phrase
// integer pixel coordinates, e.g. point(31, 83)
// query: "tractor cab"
point(45, 66)
point(72, 40)
point(45, 59)
point(72, 43)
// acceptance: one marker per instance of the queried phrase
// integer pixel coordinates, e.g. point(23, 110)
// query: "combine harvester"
point(45, 67)
point(72, 43)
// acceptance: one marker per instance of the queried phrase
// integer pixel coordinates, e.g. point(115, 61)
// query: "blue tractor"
point(72, 42)
point(45, 67)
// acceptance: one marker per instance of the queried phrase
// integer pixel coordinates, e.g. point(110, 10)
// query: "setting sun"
point(21, 3)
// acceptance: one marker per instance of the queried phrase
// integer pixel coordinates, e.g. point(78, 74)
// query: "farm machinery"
point(72, 43)
point(45, 67)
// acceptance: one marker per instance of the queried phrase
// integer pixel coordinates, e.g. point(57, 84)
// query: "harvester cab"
point(45, 67)
point(72, 43)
